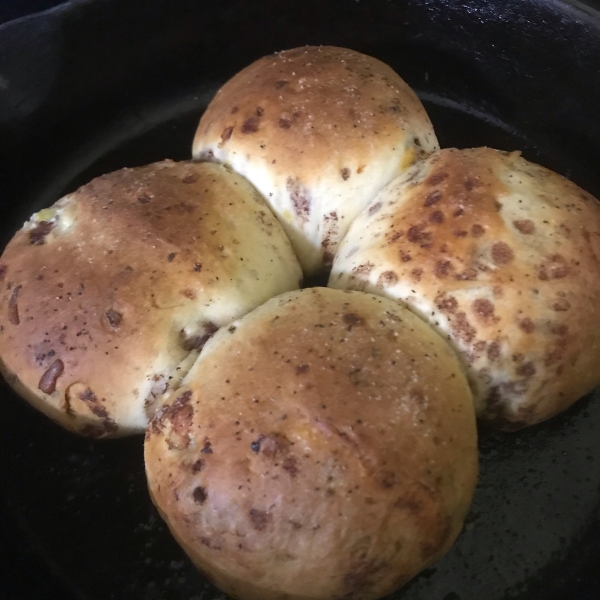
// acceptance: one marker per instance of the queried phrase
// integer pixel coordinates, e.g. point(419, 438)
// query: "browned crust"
point(305, 102)
point(358, 459)
point(96, 302)
point(501, 255)
point(318, 130)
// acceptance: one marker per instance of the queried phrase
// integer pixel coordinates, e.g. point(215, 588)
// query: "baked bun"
point(319, 131)
point(323, 446)
point(108, 295)
point(502, 257)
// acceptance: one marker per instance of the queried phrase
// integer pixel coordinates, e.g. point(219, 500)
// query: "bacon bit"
point(48, 381)
point(352, 320)
point(432, 198)
point(226, 133)
point(13, 306)
point(436, 178)
point(250, 125)
point(260, 519)
point(37, 236)
point(114, 318)
point(200, 495)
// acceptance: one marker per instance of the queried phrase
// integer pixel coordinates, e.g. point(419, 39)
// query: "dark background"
point(13, 9)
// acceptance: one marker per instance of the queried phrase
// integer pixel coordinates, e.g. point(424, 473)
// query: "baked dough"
point(107, 296)
point(323, 446)
point(503, 258)
point(318, 131)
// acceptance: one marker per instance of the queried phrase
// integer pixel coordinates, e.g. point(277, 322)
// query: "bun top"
point(501, 256)
point(107, 292)
point(319, 131)
point(301, 429)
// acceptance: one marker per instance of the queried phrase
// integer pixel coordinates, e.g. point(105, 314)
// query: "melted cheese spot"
point(408, 159)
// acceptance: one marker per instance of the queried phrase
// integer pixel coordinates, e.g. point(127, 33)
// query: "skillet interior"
point(96, 86)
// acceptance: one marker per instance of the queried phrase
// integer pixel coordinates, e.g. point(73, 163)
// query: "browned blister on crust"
point(501, 256)
point(319, 131)
point(105, 295)
point(324, 446)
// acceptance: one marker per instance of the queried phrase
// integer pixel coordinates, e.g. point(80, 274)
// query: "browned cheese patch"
point(260, 519)
point(525, 226)
point(554, 267)
point(502, 254)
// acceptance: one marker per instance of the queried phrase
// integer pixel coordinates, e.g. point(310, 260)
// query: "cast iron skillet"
point(93, 86)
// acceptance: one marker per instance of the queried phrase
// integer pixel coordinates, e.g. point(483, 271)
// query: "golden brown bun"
point(107, 296)
point(318, 131)
point(323, 446)
point(503, 257)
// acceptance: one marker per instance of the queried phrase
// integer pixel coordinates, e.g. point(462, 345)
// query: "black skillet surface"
point(97, 85)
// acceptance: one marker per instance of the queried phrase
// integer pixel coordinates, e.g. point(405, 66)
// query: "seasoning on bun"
point(323, 446)
point(108, 296)
point(318, 131)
